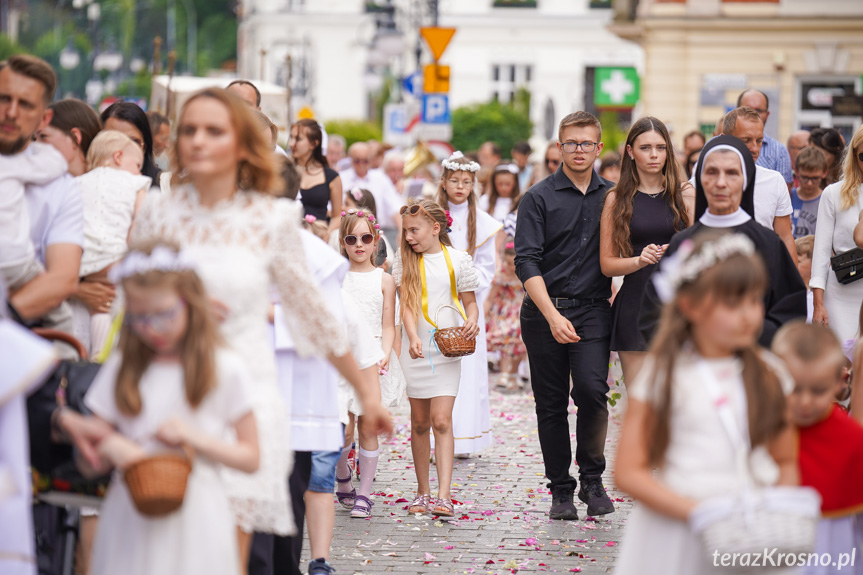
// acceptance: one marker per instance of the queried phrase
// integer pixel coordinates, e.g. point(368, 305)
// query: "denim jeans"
point(551, 365)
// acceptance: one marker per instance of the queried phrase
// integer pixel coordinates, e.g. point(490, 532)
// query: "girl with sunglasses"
point(431, 274)
point(375, 294)
point(473, 231)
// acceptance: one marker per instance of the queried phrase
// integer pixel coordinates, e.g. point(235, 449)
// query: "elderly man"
point(725, 184)
point(773, 207)
point(566, 317)
point(360, 175)
point(796, 142)
point(336, 146)
point(394, 167)
point(773, 154)
point(55, 208)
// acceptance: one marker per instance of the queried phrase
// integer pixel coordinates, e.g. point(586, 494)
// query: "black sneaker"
point(593, 493)
point(320, 567)
point(562, 506)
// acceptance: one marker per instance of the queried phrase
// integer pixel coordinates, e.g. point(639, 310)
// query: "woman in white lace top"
point(245, 240)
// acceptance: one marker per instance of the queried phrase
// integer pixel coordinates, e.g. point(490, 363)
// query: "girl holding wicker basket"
point(165, 407)
point(436, 285)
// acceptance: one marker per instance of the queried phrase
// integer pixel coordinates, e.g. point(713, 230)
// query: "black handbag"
point(848, 266)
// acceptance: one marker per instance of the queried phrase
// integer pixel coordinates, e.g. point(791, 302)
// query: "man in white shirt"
point(772, 201)
point(27, 86)
point(387, 199)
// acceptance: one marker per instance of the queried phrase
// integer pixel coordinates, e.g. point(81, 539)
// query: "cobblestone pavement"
point(501, 524)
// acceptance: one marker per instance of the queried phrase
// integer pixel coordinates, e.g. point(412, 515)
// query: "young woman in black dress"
point(650, 203)
point(319, 185)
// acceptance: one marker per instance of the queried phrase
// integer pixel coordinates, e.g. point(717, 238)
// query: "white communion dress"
point(199, 538)
point(366, 293)
point(471, 414)
point(242, 246)
point(436, 375)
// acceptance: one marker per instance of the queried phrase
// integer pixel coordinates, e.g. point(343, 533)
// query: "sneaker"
point(593, 493)
point(320, 567)
point(562, 506)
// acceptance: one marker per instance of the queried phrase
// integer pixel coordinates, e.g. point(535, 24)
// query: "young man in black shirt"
point(566, 318)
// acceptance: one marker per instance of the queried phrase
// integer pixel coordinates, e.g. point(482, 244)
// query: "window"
point(514, 3)
point(507, 79)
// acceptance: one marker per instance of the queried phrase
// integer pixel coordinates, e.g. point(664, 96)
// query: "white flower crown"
point(450, 164)
point(162, 259)
point(682, 266)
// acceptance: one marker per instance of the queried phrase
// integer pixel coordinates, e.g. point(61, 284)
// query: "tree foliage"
point(354, 130)
point(504, 124)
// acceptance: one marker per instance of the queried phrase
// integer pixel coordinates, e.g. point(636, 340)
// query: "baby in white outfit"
point(111, 191)
point(38, 164)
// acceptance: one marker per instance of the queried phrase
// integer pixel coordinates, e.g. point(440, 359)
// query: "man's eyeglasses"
point(570, 147)
point(158, 321)
point(351, 240)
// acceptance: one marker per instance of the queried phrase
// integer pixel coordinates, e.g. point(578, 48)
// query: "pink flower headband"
point(356, 194)
point(509, 246)
point(368, 215)
point(310, 218)
point(448, 222)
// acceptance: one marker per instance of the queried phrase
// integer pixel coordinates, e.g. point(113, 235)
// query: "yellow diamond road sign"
point(437, 39)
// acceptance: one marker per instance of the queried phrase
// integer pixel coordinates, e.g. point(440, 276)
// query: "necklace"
point(654, 196)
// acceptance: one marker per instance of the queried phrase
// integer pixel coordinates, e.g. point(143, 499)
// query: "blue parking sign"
point(435, 109)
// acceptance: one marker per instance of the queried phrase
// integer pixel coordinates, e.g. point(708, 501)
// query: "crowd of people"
point(259, 310)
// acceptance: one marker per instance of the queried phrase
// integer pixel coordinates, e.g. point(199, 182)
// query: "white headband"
point(511, 168)
point(162, 259)
point(725, 148)
point(682, 266)
point(451, 164)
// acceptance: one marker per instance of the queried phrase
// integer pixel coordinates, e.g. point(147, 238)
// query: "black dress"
point(316, 198)
point(652, 223)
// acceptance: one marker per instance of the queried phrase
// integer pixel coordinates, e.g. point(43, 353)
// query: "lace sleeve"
point(144, 226)
point(467, 278)
point(397, 268)
point(312, 326)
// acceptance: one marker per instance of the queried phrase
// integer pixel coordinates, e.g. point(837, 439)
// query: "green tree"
point(8, 47)
point(504, 124)
point(354, 130)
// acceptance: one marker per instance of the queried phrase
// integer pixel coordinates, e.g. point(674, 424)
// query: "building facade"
point(700, 54)
point(549, 47)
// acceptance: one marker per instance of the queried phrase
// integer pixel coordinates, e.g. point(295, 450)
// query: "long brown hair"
point(627, 187)
point(198, 346)
point(315, 136)
point(410, 291)
point(729, 281)
point(493, 194)
point(257, 171)
point(443, 200)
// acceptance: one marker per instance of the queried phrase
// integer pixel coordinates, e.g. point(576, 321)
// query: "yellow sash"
point(451, 285)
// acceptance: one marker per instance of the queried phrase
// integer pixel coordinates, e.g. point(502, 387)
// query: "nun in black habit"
point(786, 295)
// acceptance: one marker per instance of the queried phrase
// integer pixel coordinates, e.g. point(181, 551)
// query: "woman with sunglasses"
point(837, 304)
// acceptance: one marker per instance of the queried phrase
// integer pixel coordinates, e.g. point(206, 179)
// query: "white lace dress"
point(366, 292)
point(244, 245)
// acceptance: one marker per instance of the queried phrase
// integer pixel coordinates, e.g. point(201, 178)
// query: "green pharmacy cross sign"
point(616, 88)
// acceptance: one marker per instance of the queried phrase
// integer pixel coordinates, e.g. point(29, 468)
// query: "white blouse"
point(834, 233)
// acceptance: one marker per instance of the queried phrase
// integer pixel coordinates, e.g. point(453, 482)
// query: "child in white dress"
point(430, 274)
point(473, 231)
point(169, 384)
point(111, 191)
point(675, 451)
point(375, 295)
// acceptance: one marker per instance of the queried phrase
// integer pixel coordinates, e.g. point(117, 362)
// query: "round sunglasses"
point(351, 240)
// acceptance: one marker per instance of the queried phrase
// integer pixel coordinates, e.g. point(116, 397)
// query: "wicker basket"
point(451, 340)
point(157, 484)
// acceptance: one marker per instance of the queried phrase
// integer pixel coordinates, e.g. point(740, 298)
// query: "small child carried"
point(111, 190)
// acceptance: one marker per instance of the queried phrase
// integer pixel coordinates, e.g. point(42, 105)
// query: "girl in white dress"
point(709, 329)
point(473, 231)
point(111, 191)
point(503, 192)
point(245, 241)
point(171, 383)
point(375, 295)
point(429, 274)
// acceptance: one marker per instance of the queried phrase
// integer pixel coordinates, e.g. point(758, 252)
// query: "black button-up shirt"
point(557, 237)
